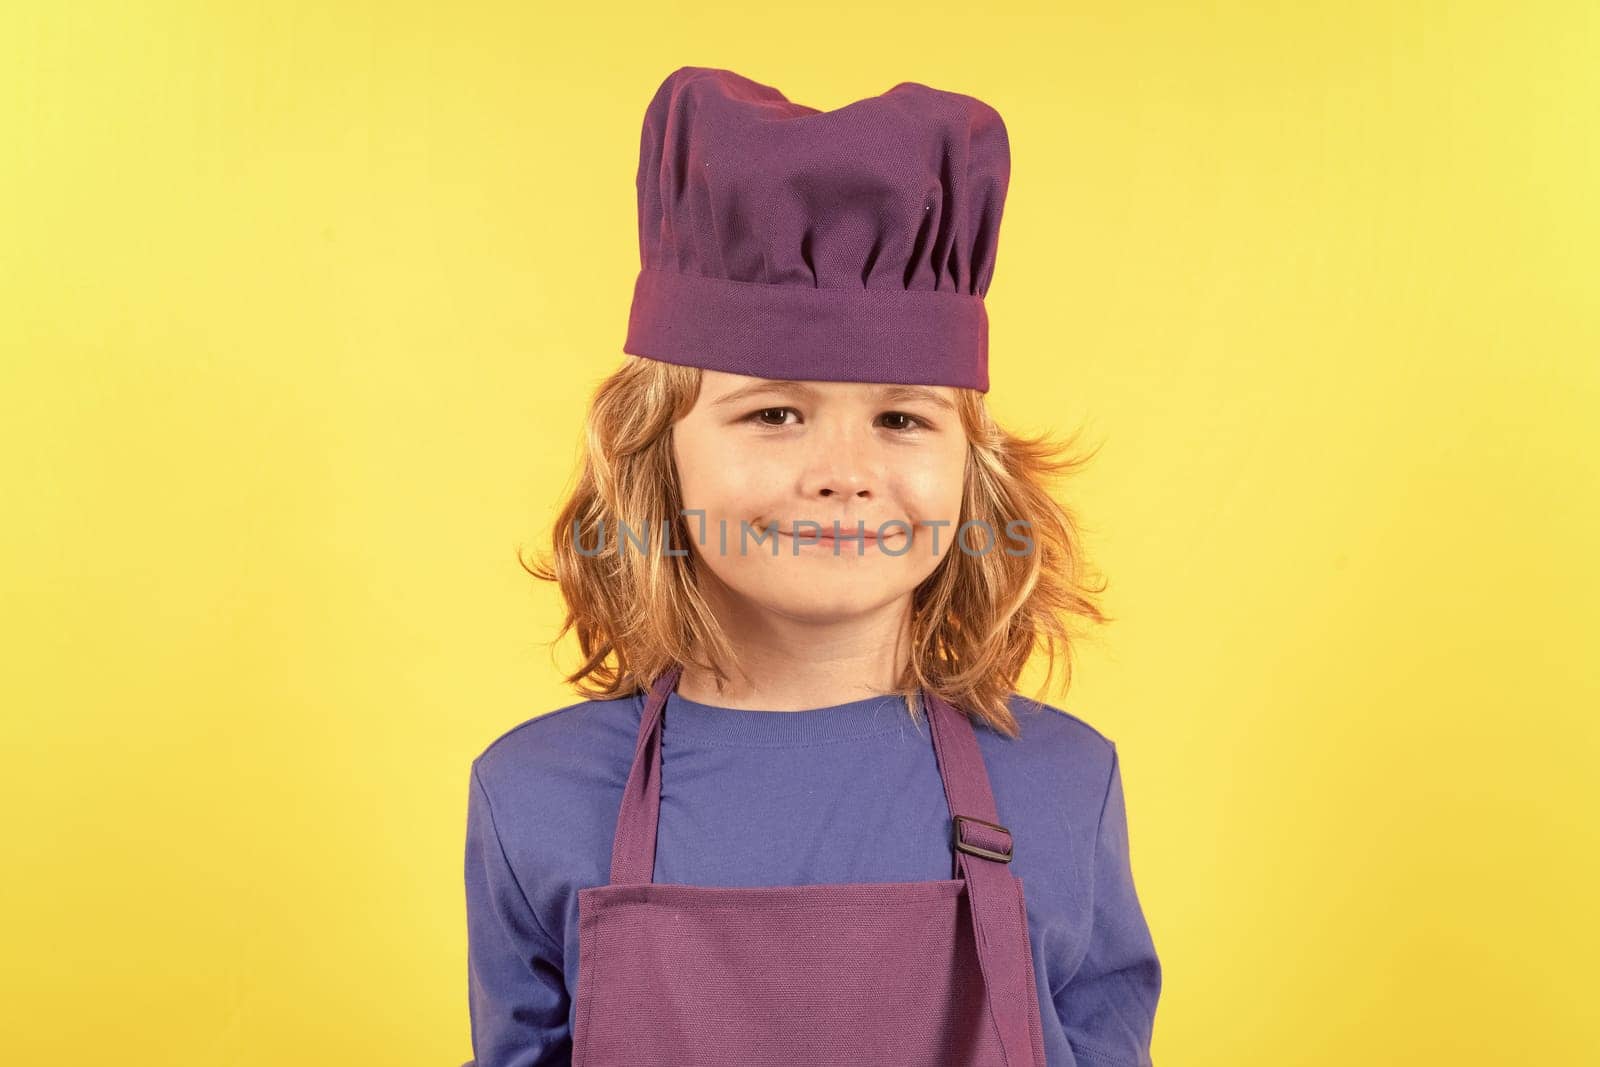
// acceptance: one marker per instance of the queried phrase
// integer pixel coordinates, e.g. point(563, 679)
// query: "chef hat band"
point(780, 241)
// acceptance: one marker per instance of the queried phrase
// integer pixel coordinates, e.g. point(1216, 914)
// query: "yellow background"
point(300, 305)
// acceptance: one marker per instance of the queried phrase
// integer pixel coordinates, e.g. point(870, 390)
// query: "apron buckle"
point(968, 847)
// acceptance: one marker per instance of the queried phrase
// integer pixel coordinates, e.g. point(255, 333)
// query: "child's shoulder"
point(1052, 737)
point(574, 737)
point(1059, 768)
point(1057, 723)
point(549, 785)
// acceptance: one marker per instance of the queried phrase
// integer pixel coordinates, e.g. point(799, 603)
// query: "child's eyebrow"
point(774, 385)
point(886, 394)
point(902, 393)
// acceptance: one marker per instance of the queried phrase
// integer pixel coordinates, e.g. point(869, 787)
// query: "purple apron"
point(931, 974)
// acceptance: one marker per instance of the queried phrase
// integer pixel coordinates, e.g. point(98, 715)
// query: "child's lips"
point(846, 533)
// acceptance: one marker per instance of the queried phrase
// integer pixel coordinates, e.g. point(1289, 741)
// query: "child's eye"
point(758, 416)
point(914, 422)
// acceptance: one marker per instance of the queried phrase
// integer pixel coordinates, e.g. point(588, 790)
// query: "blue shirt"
point(846, 793)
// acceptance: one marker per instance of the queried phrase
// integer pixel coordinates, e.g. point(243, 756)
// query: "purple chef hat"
point(780, 241)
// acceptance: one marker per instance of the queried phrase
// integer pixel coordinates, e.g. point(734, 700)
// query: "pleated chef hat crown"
point(780, 241)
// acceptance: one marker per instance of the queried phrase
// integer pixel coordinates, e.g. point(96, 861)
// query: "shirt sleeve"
point(1108, 1006)
point(516, 990)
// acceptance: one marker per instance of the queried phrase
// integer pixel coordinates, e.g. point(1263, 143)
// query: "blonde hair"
point(975, 621)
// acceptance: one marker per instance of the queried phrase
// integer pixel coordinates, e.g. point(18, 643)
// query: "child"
point(793, 820)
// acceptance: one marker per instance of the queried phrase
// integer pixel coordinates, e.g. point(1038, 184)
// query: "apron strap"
point(982, 850)
point(981, 847)
point(633, 849)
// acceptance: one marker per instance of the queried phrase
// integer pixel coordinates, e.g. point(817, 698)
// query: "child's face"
point(779, 456)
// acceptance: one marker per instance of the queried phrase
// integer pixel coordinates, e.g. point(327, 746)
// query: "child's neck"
point(786, 664)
